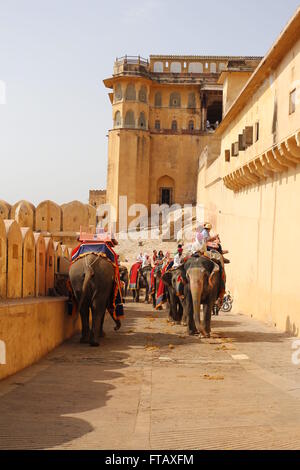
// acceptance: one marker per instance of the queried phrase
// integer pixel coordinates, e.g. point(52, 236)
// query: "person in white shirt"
point(146, 260)
point(178, 259)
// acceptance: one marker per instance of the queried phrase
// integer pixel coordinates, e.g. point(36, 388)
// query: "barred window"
point(130, 93)
point(157, 99)
point(174, 125)
point(175, 100)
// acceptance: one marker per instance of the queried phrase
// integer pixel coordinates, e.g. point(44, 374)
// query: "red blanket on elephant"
point(106, 251)
point(152, 282)
point(134, 271)
point(161, 296)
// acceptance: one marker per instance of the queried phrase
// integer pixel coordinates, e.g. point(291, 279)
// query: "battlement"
point(185, 65)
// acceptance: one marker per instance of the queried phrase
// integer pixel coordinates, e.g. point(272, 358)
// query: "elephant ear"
point(214, 271)
point(167, 278)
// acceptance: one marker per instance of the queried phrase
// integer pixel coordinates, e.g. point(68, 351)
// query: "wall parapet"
point(277, 159)
point(31, 328)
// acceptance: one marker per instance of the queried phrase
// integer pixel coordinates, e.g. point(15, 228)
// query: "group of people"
point(211, 127)
point(204, 241)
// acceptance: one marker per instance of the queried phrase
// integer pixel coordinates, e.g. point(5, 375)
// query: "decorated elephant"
point(92, 279)
point(176, 296)
point(202, 278)
point(143, 282)
point(124, 278)
point(154, 282)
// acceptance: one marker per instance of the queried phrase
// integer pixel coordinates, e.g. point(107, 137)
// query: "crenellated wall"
point(62, 223)
point(28, 261)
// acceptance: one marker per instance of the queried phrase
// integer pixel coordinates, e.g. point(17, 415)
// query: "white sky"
point(54, 55)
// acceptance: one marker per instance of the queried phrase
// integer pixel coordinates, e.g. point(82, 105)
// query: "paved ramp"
point(149, 386)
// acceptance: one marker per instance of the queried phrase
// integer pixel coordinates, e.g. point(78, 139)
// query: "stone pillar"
point(203, 111)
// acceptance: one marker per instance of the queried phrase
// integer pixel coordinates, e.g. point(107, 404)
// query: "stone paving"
point(149, 386)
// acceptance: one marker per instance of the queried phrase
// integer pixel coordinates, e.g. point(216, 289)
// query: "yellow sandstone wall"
point(24, 213)
point(32, 328)
point(3, 258)
point(4, 209)
point(28, 263)
point(259, 223)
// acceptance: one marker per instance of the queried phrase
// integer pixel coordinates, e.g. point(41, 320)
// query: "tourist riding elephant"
point(203, 282)
point(176, 296)
point(93, 279)
point(143, 282)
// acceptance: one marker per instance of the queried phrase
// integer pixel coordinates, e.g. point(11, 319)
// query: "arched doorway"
point(166, 190)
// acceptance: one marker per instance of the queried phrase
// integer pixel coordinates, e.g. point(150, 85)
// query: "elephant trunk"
point(196, 278)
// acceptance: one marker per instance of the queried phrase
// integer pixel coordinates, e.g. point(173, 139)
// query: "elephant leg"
point(172, 306)
point(101, 333)
point(98, 312)
point(207, 309)
point(133, 294)
point(191, 327)
point(137, 295)
point(179, 313)
point(184, 320)
point(85, 316)
point(147, 296)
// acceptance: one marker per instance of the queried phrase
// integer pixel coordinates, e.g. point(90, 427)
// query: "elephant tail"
point(89, 273)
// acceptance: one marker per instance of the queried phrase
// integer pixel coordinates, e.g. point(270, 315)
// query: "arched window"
point(175, 67)
point(158, 67)
point(191, 125)
point(129, 119)
point(175, 100)
point(195, 67)
point(117, 120)
point(118, 92)
point(143, 94)
point(157, 125)
point(213, 67)
point(174, 125)
point(157, 99)
point(130, 93)
point(142, 121)
point(191, 100)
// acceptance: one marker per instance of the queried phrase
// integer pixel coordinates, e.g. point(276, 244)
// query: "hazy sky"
point(54, 55)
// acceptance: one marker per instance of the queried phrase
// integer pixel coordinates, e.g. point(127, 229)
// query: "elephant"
point(125, 278)
point(157, 277)
point(176, 296)
point(143, 282)
point(203, 280)
point(93, 279)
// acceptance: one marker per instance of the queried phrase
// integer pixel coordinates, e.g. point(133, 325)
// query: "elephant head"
point(201, 275)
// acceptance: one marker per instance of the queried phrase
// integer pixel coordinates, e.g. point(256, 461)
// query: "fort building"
point(251, 190)
point(97, 197)
point(165, 112)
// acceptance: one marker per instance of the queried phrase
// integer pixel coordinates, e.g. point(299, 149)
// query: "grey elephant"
point(143, 282)
point(154, 288)
point(202, 279)
point(92, 279)
point(176, 296)
point(125, 278)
